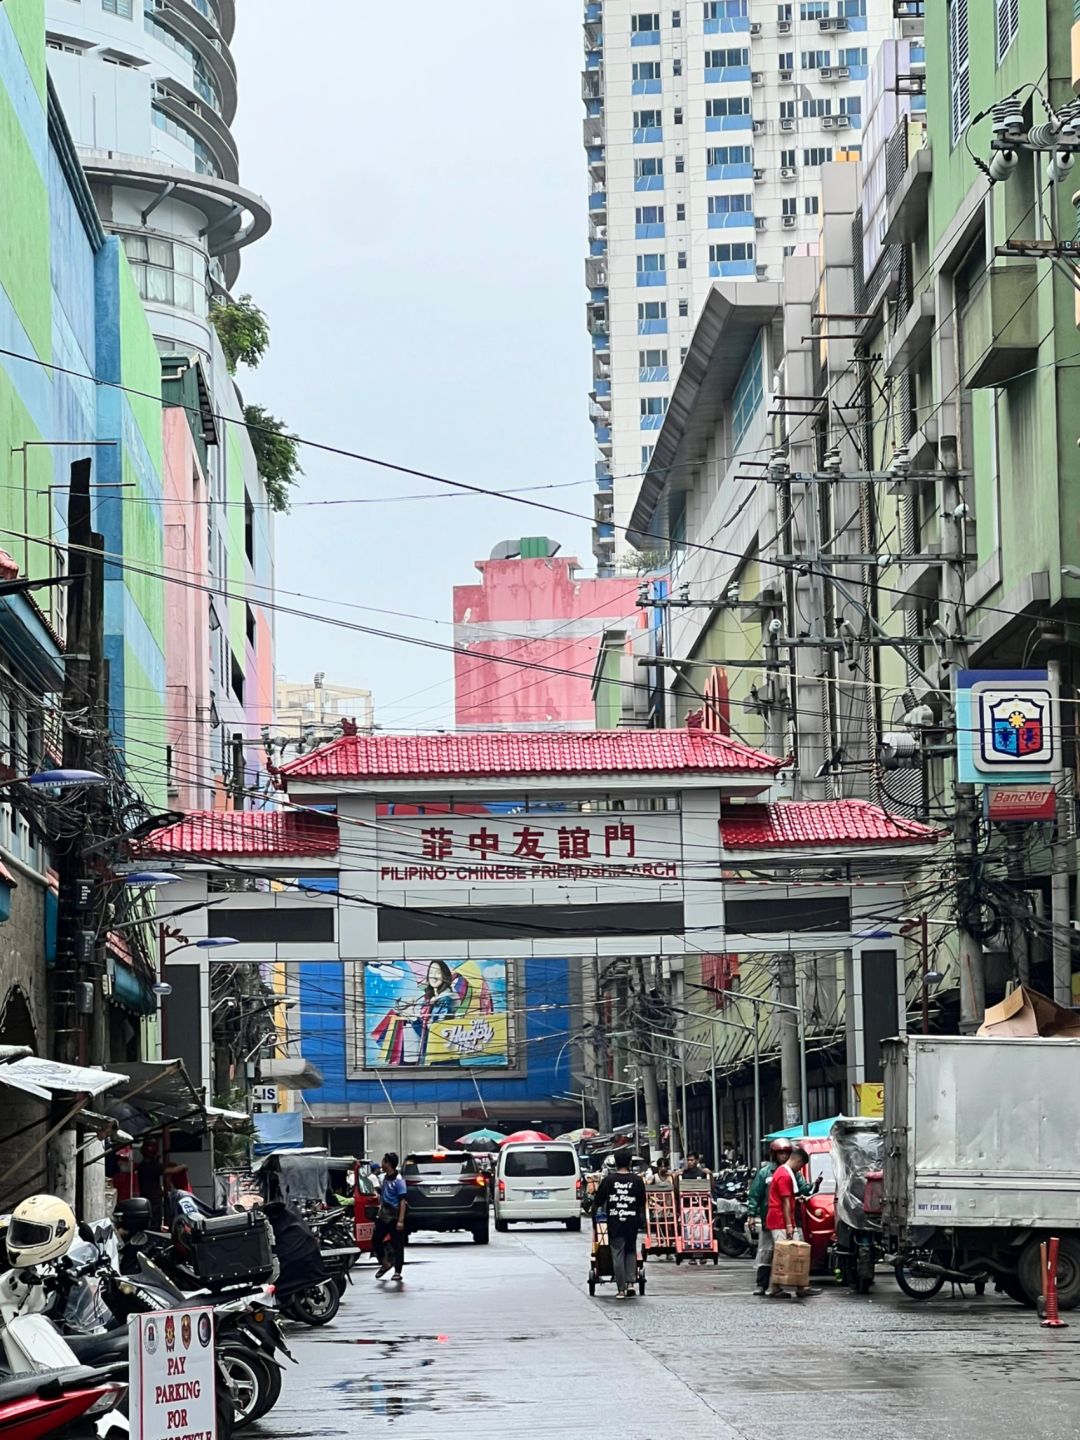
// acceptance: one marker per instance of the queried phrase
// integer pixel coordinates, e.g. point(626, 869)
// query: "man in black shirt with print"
point(621, 1197)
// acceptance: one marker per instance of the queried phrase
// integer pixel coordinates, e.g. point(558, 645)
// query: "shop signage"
point(1020, 802)
point(172, 1381)
point(1007, 726)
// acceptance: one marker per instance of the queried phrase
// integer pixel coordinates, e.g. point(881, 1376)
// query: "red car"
point(819, 1209)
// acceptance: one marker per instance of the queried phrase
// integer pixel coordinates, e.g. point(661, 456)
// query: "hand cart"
point(660, 1237)
point(694, 1236)
point(601, 1267)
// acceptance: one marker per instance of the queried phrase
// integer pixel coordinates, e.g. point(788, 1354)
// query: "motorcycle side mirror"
point(85, 1233)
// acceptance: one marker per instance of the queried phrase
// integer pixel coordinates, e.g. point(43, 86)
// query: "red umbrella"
point(519, 1135)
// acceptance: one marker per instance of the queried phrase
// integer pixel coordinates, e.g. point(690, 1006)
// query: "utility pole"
point(238, 770)
point(1060, 926)
point(787, 994)
point(599, 1053)
point(650, 1090)
point(77, 982)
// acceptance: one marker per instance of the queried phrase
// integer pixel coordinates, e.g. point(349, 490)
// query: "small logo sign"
point(1020, 802)
point(151, 1337)
point(1016, 727)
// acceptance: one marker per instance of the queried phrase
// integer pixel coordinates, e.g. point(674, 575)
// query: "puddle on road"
point(395, 1398)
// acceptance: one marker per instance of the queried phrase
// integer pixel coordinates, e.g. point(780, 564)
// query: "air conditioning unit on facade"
point(761, 271)
point(759, 126)
point(783, 27)
point(755, 28)
point(788, 222)
point(760, 223)
point(759, 173)
point(786, 76)
point(787, 172)
point(828, 122)
point(787, 124)
point(843, 122)
point(757, 78)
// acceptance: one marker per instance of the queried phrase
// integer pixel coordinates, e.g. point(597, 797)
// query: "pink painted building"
point(534, 608)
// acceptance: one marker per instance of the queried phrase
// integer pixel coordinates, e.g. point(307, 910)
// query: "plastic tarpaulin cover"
point(858, 1147)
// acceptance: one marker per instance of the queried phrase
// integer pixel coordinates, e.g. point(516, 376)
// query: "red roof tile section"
point(805, 824)
point(245, 832)
point(503, 753)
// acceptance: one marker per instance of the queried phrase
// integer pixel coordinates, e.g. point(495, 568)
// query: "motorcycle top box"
point(222, 1249)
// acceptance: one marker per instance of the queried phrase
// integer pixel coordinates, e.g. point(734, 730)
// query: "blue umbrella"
point(482, 1137)
point(816, 1130)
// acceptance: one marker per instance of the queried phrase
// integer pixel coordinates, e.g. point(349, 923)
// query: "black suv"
point(446, 1192)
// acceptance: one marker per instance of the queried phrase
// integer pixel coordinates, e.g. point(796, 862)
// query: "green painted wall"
point(24, 227)
point(27, 20)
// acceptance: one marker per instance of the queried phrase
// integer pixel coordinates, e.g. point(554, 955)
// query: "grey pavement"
point(507, 1336)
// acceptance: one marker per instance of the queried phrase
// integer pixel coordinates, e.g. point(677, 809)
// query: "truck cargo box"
point(981, 1132)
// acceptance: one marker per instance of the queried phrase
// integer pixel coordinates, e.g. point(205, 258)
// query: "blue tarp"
point(816, 1130)
point(278, 1132)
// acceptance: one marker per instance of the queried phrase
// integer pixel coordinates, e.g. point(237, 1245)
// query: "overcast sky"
point(424, 281)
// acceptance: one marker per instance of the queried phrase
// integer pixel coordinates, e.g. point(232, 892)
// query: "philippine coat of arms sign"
point(1008, 724)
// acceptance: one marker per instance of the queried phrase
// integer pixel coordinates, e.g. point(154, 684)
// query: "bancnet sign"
point(457, 850)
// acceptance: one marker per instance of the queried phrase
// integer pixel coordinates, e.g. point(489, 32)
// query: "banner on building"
point(1013, 803)
point(1008, 728)
point(435, 1014)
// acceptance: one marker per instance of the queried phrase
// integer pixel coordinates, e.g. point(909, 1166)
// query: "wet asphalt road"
point(507, 1337)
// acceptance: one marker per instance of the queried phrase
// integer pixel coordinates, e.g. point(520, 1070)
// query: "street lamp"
point(58, 779)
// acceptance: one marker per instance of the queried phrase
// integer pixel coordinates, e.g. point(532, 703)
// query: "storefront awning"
point(45, 1079)
point(157, 1094)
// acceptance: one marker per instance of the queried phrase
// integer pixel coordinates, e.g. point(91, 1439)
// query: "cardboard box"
point(1025, 1014)
point(791, 1264)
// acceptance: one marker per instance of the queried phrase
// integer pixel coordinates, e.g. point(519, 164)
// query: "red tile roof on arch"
point(245, 832)
point(493, 754)
point(806, 824)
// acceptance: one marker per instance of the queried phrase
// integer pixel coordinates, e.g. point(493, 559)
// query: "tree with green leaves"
point(276, 455)
point(242, 329)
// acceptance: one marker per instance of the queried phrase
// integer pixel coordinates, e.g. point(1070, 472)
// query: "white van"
point(537, 1182)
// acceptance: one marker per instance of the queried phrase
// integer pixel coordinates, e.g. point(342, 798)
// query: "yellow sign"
point(869, 1099)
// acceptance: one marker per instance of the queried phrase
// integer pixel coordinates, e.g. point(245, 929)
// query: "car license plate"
point(541, 1194)
point(441, 1190)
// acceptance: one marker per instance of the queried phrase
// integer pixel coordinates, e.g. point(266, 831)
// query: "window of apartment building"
point(854, 56)
point(726, 9)
point(815, 108)
point(646, 456)
point(959, 71)
point(682, 353)
point(727, 155)
point(748, 396)
point(785, 60)
point(649, 215)
point(684, 309)
point(678, 115)
point(167, 272)
point(787, 109)
point(789, 205)
point(653, 404)
point(236, 677)
point(851, 105)
point(817, 155)
point(852, 9)
point(724, 254)
point(783, 14)
point(249, 625)
point(724, 59)
point(787, 158)
point(680, 260)
point(652, 310)
point(680, 164)
point(53, 42)
point(814, 10)
point(651, 165)
point(811, 205)
point(647, 119)
point(815, 59)
point(652, 359)
point(646, 70)
point(249, 528)
point(119, 7)
point(651, 264)
point(735, 105)
point(680, 211)
point(788, 250)
point(730, 204)
point(676, 19)
point(676, 67)
point(640, 24)
point(1008, 23)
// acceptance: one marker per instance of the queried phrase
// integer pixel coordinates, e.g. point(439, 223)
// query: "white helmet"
point(42, 1228)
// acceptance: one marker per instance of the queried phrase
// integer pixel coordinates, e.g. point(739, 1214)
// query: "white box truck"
point(982, 1156)
point(400, 1133)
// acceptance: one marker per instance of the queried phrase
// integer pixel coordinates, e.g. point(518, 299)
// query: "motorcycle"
point(72, 1403)
point(729, 1223)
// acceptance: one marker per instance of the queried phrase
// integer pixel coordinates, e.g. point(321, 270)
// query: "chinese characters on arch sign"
point(530, 847)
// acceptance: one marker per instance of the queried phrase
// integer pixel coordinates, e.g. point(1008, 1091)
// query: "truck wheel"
point(1068, 1272)
point(1010, 1285)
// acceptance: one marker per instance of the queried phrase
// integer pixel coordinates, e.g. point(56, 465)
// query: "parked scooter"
point(72, 1403)
point(729, 1222)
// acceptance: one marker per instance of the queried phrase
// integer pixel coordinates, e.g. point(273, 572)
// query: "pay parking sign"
point(173, 1382)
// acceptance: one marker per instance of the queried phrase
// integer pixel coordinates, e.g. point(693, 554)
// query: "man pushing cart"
point(618, 1212)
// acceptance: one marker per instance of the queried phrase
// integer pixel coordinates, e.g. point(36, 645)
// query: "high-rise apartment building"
point(706, 126)
point(149, 89)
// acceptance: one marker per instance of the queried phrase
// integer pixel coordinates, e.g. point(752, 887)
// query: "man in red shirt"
point(780, 1217)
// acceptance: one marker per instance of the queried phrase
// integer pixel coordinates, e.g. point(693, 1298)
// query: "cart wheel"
point(592, 1285)
point(641, 1285)
point(678, 1259)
